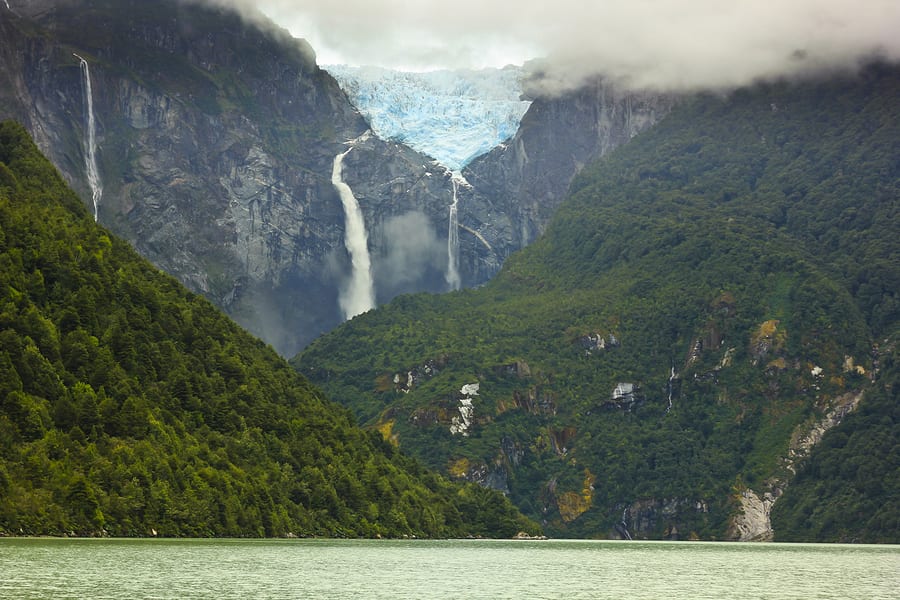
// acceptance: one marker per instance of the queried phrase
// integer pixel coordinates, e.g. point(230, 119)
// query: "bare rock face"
point(216, 138)
point(655, 518)
point(517, 187)
point(753, 523)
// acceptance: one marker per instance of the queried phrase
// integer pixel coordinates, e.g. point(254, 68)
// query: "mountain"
point(211, 139)
point(215, 144)
point(452, 116)
point(516, 188)
point(702, 314)
point(130, 406)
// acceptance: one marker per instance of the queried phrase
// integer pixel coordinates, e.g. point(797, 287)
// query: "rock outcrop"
point(654, 518)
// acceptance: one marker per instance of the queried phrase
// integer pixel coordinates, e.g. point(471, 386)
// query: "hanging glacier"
point(452, 116)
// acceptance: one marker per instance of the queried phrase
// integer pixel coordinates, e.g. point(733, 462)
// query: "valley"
point(636, 313)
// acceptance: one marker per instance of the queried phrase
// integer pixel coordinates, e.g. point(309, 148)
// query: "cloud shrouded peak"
point(667, 44)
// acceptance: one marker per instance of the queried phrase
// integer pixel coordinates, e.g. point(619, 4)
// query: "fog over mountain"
point(665, 44)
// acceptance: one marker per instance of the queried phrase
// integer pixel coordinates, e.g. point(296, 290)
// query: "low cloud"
point(663, 44)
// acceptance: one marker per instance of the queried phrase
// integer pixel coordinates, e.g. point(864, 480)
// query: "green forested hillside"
point(132, 407)
point(849, 489)
point(732, 268)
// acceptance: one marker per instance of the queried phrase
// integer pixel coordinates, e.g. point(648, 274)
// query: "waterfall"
point(625, 525)
point(90, 141)
point(359, 294)
point(671, 385)
point(453, 278)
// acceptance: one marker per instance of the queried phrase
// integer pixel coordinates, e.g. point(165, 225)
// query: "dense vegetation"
point(130, 406)
point(738, 262)
point(849, 489)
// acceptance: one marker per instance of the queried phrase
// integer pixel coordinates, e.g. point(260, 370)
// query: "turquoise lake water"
point(85, 568)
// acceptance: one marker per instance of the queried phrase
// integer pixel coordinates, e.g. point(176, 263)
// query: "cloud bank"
point(667, 44)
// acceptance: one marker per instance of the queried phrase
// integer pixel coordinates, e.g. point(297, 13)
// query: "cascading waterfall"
point(90, 141)
point(670, 387)
point(625, 525)
point(359, 294)
point(453, 278)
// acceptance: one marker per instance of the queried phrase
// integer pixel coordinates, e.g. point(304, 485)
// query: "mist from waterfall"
point(90, 140)
point(358, 296)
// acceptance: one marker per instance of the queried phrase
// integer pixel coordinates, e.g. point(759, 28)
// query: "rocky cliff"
point(517, 187)
point(215, 142)
point(216, 138)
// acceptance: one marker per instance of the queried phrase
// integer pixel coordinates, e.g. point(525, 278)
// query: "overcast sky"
point(658, 43)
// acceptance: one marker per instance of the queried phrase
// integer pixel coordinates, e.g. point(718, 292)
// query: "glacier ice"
point(451, 116)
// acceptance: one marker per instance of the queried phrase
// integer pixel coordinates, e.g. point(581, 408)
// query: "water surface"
point(83, 568)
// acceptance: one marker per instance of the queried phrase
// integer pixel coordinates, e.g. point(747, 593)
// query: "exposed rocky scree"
point(753, 521)
point(216, 139)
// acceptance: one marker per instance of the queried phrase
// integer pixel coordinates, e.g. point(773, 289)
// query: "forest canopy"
point(132, 407)
point(706, 294)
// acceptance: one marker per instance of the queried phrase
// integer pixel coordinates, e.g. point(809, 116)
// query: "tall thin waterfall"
point(90, 141)
point(624, 524)
point(671, 386)
point(359, 294)
point(452, 276)
point(453, 279)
